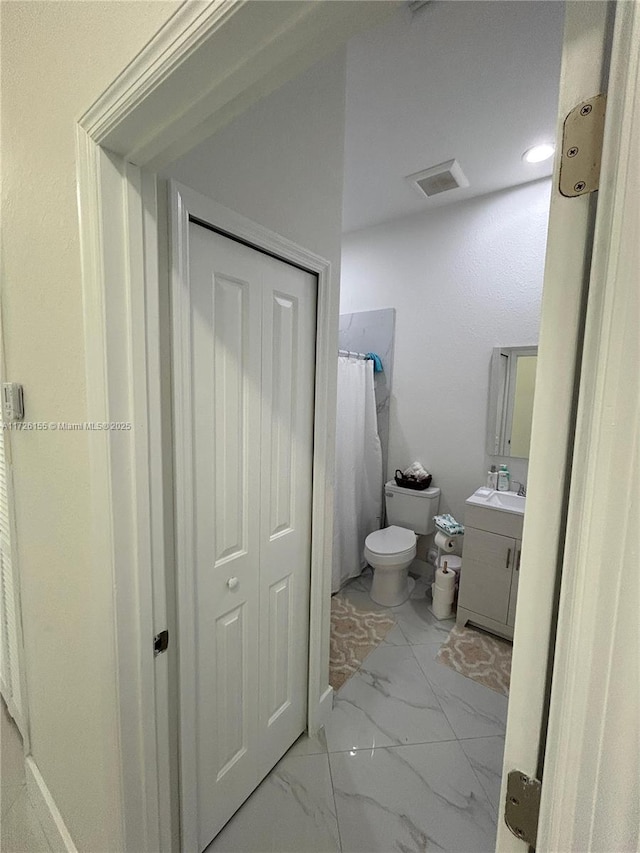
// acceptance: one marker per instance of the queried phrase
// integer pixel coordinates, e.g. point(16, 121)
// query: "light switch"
point(12, 402)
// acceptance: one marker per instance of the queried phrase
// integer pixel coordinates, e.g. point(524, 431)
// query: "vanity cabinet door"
point(487, 566)
point(513, 597)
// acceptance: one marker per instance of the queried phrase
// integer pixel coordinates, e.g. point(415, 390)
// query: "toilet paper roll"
point(442, 611)
point(454, 563)
point(442, 600)
point(445, 581)
point(444, 542)
point(446, 595)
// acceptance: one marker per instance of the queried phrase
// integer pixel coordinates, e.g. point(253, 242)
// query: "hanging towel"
point(448, 524)
point(377, 362)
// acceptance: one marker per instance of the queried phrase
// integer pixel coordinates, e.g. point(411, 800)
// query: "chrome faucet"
point(522, 492)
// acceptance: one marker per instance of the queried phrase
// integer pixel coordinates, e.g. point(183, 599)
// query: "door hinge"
point(523, 806)
point(160, 643)
point(582, 136)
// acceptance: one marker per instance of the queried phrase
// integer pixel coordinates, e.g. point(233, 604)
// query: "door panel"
point(225, 366)
point(278, 683)
point(288, 347)
point(252, 367)
point(231, 403)
point(284, 319)
point(230, 644)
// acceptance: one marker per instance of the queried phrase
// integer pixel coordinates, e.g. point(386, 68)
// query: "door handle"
point(518, 560)
point(508, 558)
point(232, 583)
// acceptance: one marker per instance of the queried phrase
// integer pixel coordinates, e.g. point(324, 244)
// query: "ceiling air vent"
point(439, 179)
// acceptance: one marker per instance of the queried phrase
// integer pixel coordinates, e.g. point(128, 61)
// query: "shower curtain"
point(358, 477)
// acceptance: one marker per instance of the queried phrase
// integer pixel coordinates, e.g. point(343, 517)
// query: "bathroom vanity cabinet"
point(490, 569)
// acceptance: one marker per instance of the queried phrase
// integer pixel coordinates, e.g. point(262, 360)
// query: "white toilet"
point(391, 551)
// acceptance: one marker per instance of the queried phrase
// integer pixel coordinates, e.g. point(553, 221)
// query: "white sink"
point(502, 501)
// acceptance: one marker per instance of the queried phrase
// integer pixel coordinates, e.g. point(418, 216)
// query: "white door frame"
point(186, 203)
point(585, 482)
point(144, 121)
point(591, 785)
point(18, 710)
point(567, 264)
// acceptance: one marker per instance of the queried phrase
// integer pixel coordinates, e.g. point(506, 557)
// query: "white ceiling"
point(474, 81)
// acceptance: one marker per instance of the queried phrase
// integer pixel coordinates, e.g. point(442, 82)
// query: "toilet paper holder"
point(451, 539)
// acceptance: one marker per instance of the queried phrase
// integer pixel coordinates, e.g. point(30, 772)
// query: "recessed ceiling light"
point(538, 153)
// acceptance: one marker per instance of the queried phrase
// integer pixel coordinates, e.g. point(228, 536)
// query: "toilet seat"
point(393, 540)
point(390, 552)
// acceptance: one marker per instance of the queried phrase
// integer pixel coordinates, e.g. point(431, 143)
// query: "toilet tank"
point(411, 508)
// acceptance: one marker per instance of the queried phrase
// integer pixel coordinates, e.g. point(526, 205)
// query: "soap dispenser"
point(503, 479)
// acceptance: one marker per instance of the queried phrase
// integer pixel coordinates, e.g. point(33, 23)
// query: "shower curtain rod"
point(348, 354)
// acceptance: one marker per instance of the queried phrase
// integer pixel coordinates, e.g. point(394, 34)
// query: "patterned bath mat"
point(479, 656)
point(354, 633)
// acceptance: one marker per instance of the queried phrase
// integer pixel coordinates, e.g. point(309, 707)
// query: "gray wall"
point(281, 162)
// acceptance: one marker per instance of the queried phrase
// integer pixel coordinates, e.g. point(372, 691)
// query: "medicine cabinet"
point(511, 391)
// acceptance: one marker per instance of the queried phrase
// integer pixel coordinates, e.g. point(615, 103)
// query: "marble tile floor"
point(410, 759)
point(20, 829)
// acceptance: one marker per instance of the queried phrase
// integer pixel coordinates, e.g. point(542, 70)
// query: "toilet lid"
point(390, 540)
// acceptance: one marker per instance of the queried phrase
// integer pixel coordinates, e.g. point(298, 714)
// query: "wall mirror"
point(511, 390)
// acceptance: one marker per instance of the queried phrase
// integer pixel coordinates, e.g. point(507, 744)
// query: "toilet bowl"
point(390, 552)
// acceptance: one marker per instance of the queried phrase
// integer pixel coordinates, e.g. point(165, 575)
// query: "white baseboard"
point(50, 818)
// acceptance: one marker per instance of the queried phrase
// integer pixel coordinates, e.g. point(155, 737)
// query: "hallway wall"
point(57, 57)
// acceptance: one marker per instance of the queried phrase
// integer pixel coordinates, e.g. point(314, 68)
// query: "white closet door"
point(226, 305)
point(288, 358)
point(252, 363)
